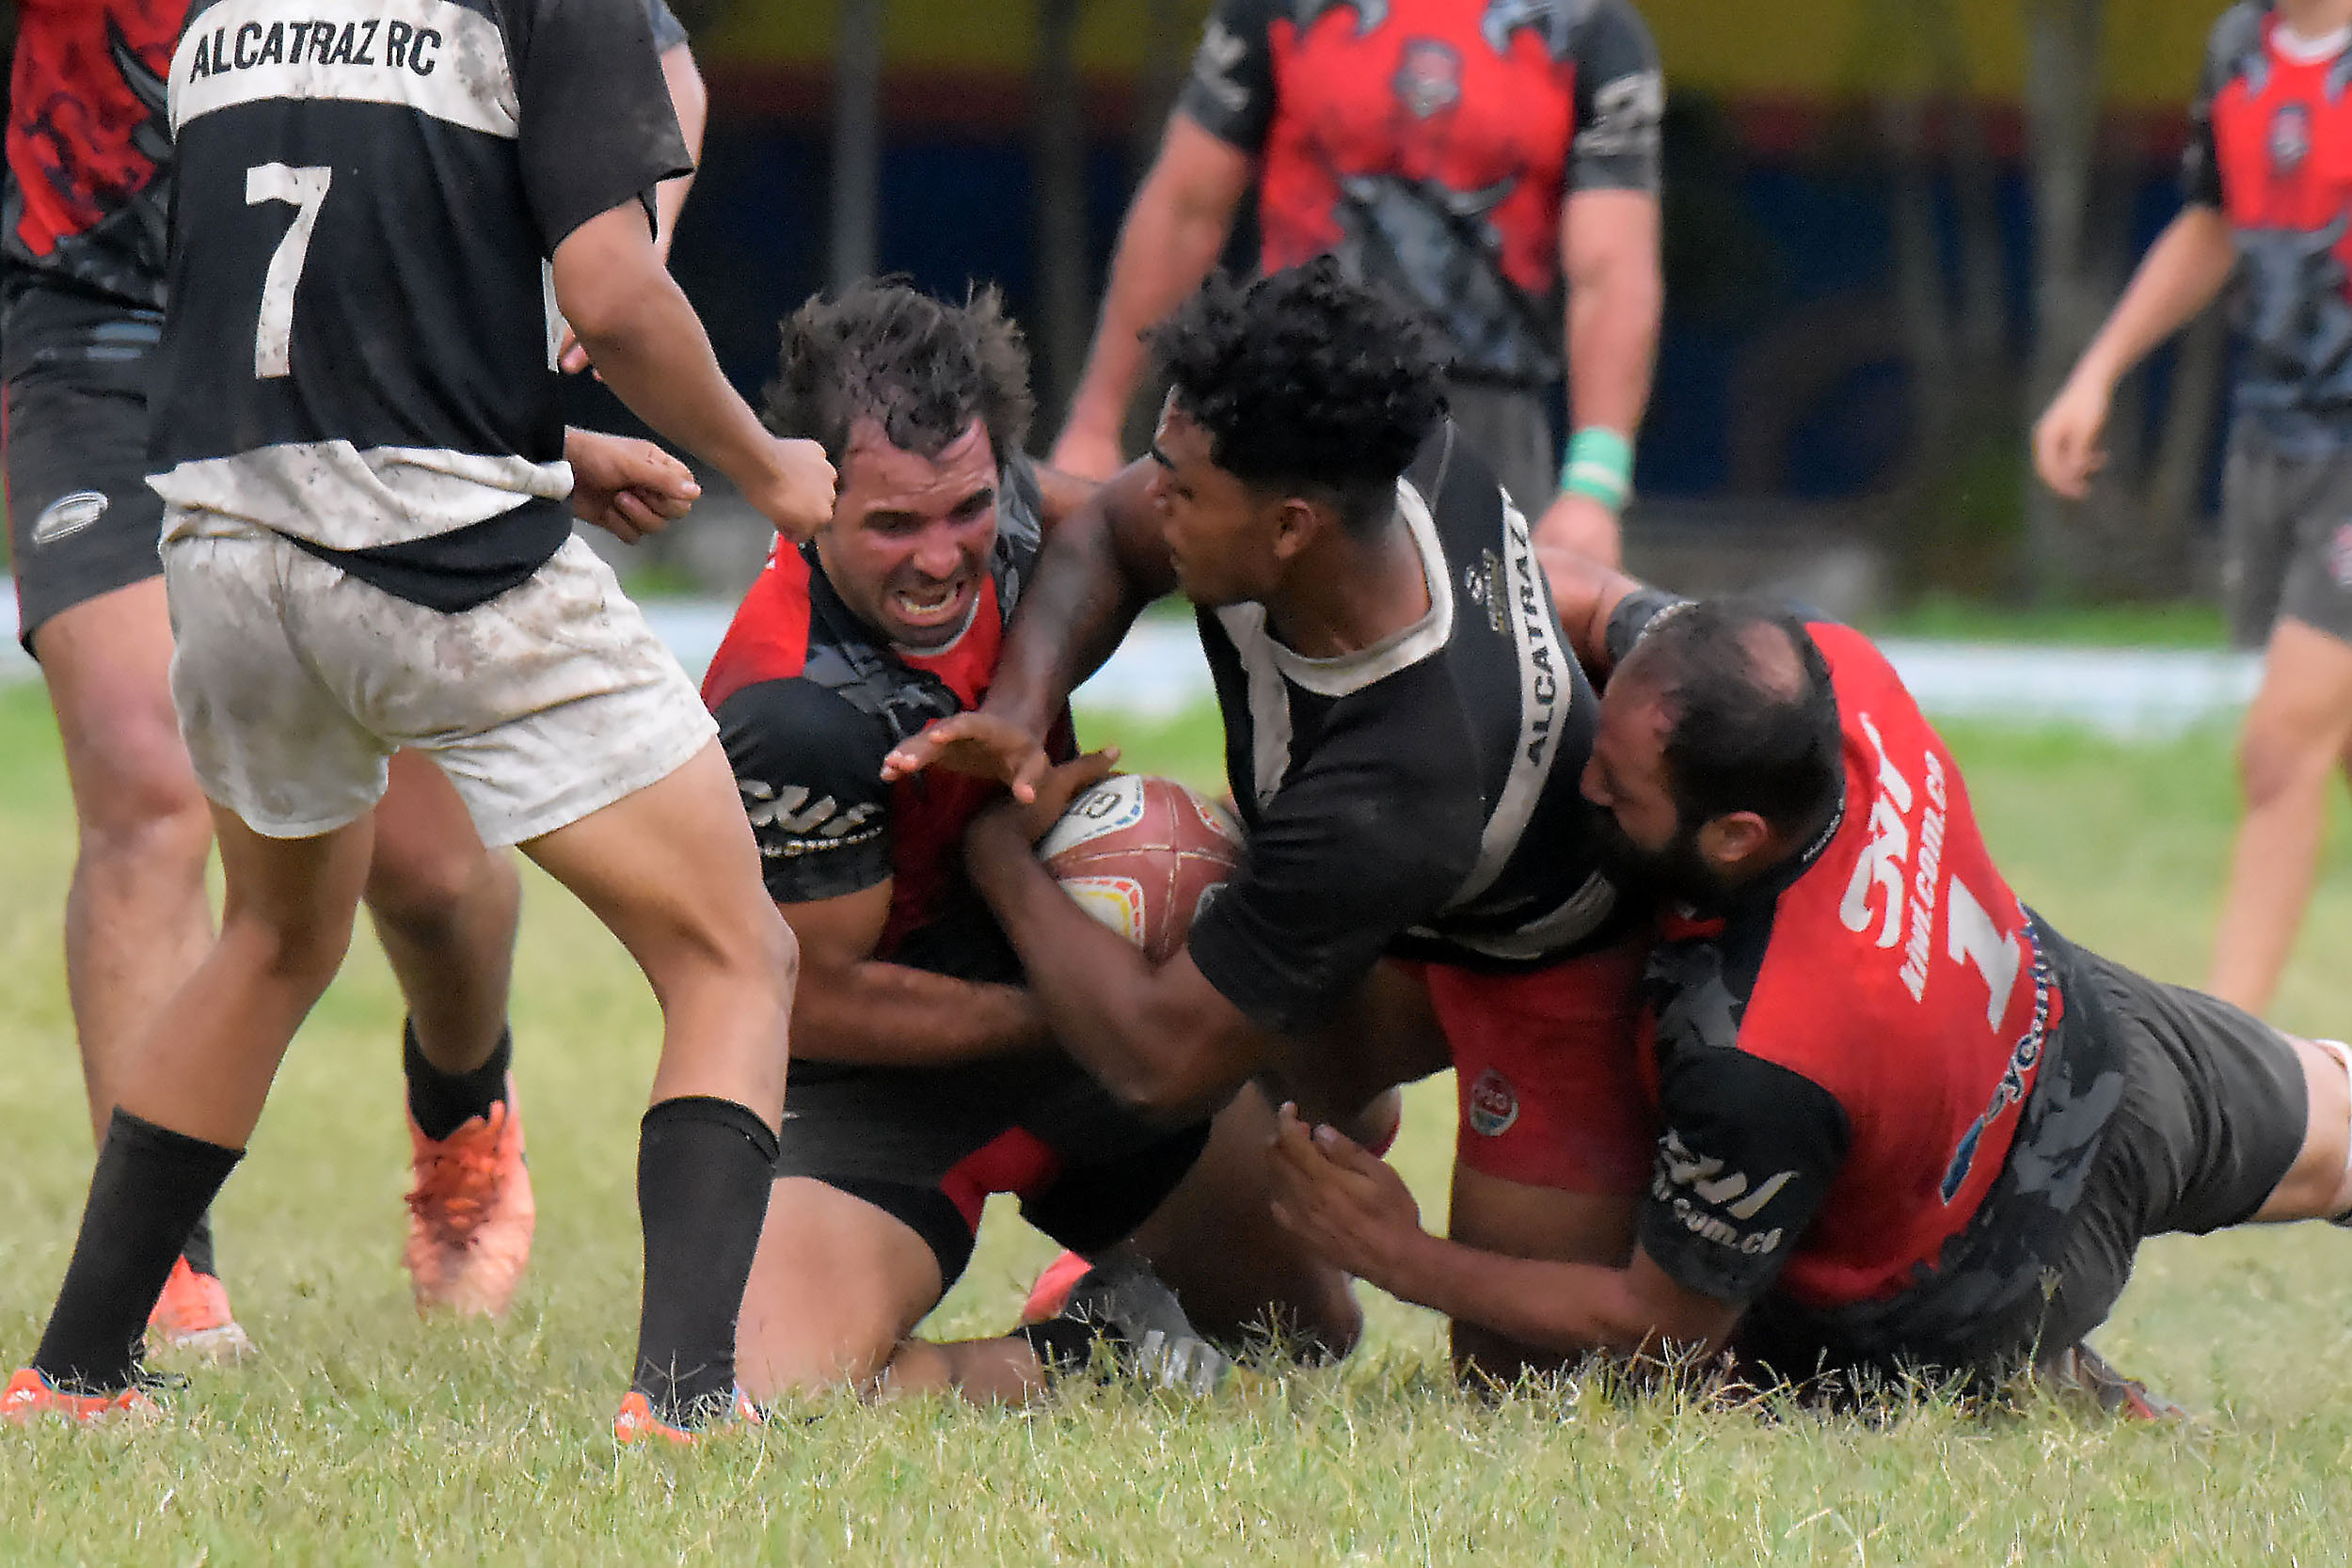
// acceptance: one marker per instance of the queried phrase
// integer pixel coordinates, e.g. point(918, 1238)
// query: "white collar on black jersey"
point(1348, 673)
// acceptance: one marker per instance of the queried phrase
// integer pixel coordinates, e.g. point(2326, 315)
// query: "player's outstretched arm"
point(1162, 1039)
point(650, 348)
point(1355, 1212)
point(2179, 276)
point(1100, 567)
point(1174, 233)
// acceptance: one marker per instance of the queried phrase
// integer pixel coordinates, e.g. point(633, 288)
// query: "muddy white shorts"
point(296, 683)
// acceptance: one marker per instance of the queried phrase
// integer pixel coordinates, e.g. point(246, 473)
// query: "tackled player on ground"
point(925, 1074)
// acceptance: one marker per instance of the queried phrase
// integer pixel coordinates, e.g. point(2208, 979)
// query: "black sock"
point(151, 1187)
point(704, 1170)
point(199, 1247)
point(444, 1102)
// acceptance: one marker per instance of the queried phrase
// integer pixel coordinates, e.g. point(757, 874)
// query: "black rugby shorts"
point(2213, 1116)
point(926, 1145)
point(73, 421)
point(2287, 526)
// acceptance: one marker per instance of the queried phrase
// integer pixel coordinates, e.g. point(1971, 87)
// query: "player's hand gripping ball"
point(1139, 854)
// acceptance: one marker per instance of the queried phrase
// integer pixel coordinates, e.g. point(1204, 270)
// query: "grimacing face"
point(908, 545)
point(1219, 532)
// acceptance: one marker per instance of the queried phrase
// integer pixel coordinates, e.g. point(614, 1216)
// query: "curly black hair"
point(923, 369)
point(1305, 381)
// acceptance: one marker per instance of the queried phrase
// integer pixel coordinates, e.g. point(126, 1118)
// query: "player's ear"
point(1297, 522)
point(1731, 842)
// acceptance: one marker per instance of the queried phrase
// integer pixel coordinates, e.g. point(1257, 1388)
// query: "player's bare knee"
point(754, 958)
point(432, 894)
point(299, 948)
point(141, 812)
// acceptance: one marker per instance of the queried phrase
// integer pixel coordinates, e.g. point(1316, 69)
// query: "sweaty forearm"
point(2179, 276)
point(651, 350)
point(879, 1014)
point(1613, 316)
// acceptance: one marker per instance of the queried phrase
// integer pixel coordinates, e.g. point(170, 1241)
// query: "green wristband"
point(1601, 464)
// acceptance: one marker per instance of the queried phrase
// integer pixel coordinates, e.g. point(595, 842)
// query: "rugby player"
point(82, 275)
point(1906, 1125)
point(1404, 731)
point(923, 1076)
point(2262, 201)
point(365, 547)
point(1496, 162)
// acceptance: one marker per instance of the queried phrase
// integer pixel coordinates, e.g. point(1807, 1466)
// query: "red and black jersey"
point(89, 178)
point(2272, 145)
point(1430, 143)
point(1873, 1109)
point(810, 700)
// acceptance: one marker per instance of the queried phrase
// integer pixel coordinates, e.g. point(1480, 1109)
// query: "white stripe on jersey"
point(333, 494)
point(436, 58)
point(1268, 663)
point(1544, 693)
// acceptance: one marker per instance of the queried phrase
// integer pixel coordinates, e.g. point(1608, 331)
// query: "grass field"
point(363, 1436)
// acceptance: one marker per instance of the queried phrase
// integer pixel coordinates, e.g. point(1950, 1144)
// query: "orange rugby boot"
point(192, 1316)
point(1051, 1292)
point(636, 1421)
point(31, 1396)
point(470, 1213)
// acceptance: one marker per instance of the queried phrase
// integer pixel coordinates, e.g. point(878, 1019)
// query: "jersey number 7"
point(306, 189)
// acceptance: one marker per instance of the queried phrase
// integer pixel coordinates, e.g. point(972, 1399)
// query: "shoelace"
point(453, 1192)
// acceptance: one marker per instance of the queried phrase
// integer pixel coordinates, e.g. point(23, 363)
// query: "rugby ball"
point(1138, 854)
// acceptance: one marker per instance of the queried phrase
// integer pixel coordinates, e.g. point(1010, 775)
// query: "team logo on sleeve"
point(67, 516)
point(1712, 1203)
point(1494, 1105)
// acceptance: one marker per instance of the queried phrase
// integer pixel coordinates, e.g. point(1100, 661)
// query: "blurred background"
point(1890, 226)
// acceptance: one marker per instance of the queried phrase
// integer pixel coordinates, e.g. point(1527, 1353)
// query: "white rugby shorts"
point(296, 683)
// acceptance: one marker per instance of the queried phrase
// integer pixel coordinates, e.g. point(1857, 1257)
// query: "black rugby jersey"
point(810, 699)
point(358, 350)
point(1420, 796)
